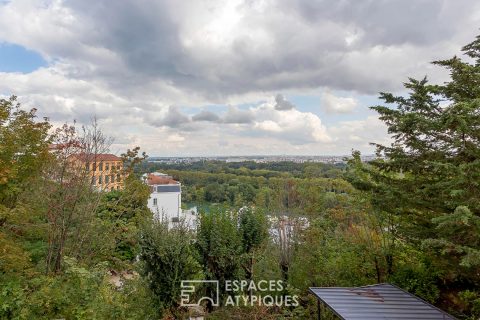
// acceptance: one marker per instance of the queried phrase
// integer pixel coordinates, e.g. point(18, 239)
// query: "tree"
point(429, 175)
point(169, 257)
point(125, 211)
point(23, 148)
point(253, 230)
point(67, 196)
point(220, 246)
point(131, 159)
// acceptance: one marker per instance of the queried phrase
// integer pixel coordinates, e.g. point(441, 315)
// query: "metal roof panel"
point(380, 301)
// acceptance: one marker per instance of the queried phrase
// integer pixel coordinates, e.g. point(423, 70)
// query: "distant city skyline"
point(260, 158)
point(240, 77)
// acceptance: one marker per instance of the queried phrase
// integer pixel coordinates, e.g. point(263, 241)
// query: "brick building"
point(106, 170)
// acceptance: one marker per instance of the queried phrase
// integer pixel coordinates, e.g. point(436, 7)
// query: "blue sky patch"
point(15, 58)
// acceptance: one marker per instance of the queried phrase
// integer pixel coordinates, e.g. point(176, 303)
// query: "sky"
point(216, 77)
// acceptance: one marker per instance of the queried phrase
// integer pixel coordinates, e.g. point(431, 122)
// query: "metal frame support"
point(319, 310)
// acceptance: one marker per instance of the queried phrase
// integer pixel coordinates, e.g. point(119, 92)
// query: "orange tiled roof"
point(153, 179)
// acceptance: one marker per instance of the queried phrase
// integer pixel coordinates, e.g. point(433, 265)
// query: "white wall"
point(168, 205)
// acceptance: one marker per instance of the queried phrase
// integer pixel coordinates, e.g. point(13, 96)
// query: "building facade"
point(165, 200)
point(106, 170)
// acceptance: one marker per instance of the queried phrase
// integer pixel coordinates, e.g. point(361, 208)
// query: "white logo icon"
point(190, 287)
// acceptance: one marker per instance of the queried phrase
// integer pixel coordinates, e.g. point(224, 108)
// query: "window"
point(87, 166)
point(111, 189)
point(118, 187)
point(118, 177)
point(94, 180)
point(100, 179)
point(100, 166)
point(107, 178)
point(107, 166)
point(94, 166)
point(112, 177)
point(118, 166)
point(155, 201)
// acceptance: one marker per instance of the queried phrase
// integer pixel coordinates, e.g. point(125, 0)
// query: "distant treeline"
point(251, 168)
point(268, 185)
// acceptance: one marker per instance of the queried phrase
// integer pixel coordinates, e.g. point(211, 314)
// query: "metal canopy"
point(168, 188)
point(379, 301)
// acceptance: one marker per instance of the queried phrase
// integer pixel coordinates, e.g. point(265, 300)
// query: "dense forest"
point(250, 183)
point(411, 217)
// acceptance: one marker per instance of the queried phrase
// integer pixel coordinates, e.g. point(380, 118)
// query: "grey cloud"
point(222, 143)
point(124, 60)
point(174, 118)
point(142, 32)
point(281, 103)
point(305, 44)
point(387, 22)
point(238, 116)
point(233, 115)
point(205, 115)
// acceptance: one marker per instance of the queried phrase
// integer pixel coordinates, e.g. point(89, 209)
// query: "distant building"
point(166, 200)
point(106, 170)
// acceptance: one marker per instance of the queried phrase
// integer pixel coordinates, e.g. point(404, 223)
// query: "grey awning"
point(380, 301)
point(168, 188)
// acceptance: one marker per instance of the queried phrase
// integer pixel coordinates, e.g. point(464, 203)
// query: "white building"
point(166, 200)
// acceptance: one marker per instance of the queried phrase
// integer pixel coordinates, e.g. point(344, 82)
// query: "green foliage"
point(219, 245)
point(325, 247)
point(412, 218)
point(124, 211)
point(78, 293)
point(168, 257)
point(23, 148)
point(471, 301)
point(421, 281)
point(14, 259)
point(131, 159)
point(280, 169)
point(49, 221)
point(429, 175)
point(249, 312)
point(253, 229)
point(239, 184)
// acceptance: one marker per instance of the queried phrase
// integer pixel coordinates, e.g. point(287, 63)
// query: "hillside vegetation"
point(411, 217)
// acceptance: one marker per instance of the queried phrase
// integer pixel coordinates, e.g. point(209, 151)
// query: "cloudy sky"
point(236, 77)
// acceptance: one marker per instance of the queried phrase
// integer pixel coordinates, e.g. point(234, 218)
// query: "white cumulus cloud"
point(334, 104)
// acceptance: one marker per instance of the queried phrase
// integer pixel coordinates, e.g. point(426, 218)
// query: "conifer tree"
point(429, 177)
